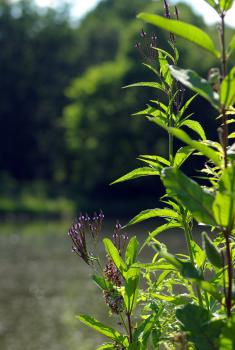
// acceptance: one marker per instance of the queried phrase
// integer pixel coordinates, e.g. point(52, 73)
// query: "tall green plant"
point(187, 301)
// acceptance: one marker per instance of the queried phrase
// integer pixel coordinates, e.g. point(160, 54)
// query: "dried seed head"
point(114, 300)
point(112, 274)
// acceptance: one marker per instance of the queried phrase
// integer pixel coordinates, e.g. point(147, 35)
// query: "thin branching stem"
point(129, 327)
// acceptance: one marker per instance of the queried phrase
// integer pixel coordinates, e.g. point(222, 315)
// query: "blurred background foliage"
point(65, 127)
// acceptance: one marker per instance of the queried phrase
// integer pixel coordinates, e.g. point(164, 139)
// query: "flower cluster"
point(168, 15)
point(83, 227)
point(147, 46)
point(119, 239)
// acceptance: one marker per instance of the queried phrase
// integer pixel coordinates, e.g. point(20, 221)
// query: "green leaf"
point(152, 213)
point(114, 255)
point(135, 174)
point(227, 336)
point(195, 126)
point(212, 4)
point(160, 229)
point(131, 288)
point(157, 159)
point(201, 331)
point(227, 89)
point(197, 200)
point(164, 69)
point(188, 270)
point(143, 331)
point(212, 252)
point(209, 288)
point(167, 54)
point(225, 5)
point(199, 146)
point(131, 251)
point(182, 155)
point(198, 253)
point(151, 111)
point(186, 105)
point(224, 204)
point(101, 282)
point(170, 258)
point(103, 329)
point(196, 83)
point(231, 136)
point(107, 346)
point(185, 30)
point(150, 84)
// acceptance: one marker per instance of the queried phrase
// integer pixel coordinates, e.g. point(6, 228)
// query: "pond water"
point(44, 285)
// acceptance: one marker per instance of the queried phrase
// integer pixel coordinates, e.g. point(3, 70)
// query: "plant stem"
point(188, 237)
point(124, 324)
point(170, 148)
point(223, 71)
point(223, 48)
point(129, 327)
point(228, 295)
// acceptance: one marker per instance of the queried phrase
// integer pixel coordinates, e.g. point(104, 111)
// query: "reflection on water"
point(43, 287)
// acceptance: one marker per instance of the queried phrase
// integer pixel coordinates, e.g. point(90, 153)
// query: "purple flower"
point(147, 48)
point(119, 239)
point(167, 9)
point(143, 33)
point(83, 227)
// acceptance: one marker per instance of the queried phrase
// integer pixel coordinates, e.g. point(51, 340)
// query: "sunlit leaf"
point(103, 329)
point(196, 83)
point(135, 174)
point(212, 3)
point(209, 288)
point(227, 89)
point(102, 282)
point(199, 146)
point(131, 251)
point(232, 135)
point(152, 213)
point(158, 159)
point(143, 331)
point(114, 255)
point(224, 204)
point(195, 126)
point(197, 200)
point(162, 228)
point(131, 288)
point(198, 253)
point(182, 155)
point(107, 346)
point(185, 30)
point(212, 252)
point(225, 5)
point(150, 84)
point(164, 68)
point(186, 105)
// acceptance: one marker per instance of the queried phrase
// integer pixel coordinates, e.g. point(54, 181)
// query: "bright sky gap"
point(81, 7)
